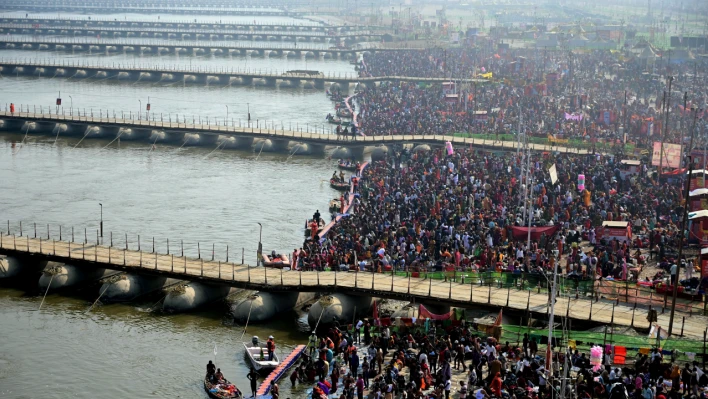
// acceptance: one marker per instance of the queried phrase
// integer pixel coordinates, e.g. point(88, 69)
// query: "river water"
point(189, 194)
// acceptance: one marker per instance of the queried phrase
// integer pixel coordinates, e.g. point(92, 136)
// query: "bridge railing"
point(95, 20)
point(93, 235)
point(152, 42)
point(184, 69)
point(271, 128)
point(219, 31)
point(529, 289)
point(161, 120)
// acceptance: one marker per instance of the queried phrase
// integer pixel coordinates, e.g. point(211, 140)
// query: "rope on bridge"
point(248, 318)
point(259, 152)
point(223, 142)
point(22, 143)
point(45, 292)
point(99, 297)
point(319, 318)
point(117, 137)
point(88, 131)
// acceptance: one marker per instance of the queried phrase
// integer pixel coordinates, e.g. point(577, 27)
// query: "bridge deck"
point(75, 28)
point(374, 284)
point(106, 22)
point(255, 73)
point(299, 136)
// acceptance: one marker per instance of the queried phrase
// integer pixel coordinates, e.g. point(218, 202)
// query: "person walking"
point(360, 387)
point(253, 378)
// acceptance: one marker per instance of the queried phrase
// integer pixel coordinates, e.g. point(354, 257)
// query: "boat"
point(225, 390)
point(348, 166)
point(339, 185)
point(308, 230)
point(279, 261)
point(335, 205)
point(258, 356)
point(337, 121)
point(344, 113)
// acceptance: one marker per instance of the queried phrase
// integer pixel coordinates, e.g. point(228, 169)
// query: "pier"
point(191, 24)
point(452, 291)
point(186, 33)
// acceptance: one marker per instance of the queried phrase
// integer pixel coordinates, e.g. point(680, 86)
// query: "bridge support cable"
point(45, 292)
point(247, 320)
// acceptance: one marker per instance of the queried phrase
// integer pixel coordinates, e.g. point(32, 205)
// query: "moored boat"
point(339, 185)
point(277, 261)
point(222, 390)
point(344, 113)
point(258, 356)
point(348, 166)
point(308, 226)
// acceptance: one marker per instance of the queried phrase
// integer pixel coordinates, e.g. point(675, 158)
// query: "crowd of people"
point(434, 211)
point(541, 89)
point(440, 362)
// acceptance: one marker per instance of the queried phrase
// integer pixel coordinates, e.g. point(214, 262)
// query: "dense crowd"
point(436, 361)
point(541, 88)
point(428, 211)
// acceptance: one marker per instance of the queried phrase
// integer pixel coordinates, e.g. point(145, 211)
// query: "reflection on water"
point(116, 351)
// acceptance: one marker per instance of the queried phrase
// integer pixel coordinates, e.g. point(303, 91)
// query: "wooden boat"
point(338, 185)
point(320, 225)
point(258, 356)
point(221, 391)
point(280, 261)
point(349, 166)
point(344, 113)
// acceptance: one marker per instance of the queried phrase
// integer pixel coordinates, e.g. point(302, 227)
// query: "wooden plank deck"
point(373, 284)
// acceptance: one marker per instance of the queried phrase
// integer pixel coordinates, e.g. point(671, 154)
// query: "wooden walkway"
point(75, 29)
point(99, 23)
point(373, 284)
point(297, 136)
point(227, 72)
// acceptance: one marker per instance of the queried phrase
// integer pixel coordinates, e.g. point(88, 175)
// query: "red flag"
point(498, 321)
point(375, 311)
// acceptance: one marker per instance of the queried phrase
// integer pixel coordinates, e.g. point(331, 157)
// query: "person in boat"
point(219, 377)
point(334, 176)
point(270, 345)
point(316, 217)
point(211, 369)
point(341, 176)
point(253, 378)
point(274, 256)
point(329, 117)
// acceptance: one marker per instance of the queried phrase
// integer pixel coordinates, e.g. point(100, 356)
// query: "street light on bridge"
point(260, 245)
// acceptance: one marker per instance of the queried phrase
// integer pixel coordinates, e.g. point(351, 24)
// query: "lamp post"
point(71, 110)
point(248, 110)
point(260, 245)
point(101, 222)
point(140, 108)
point(226, 121)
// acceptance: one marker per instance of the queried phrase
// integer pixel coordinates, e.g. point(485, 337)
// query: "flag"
point(375, 311)
point(487, 75)
point(498, 321)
